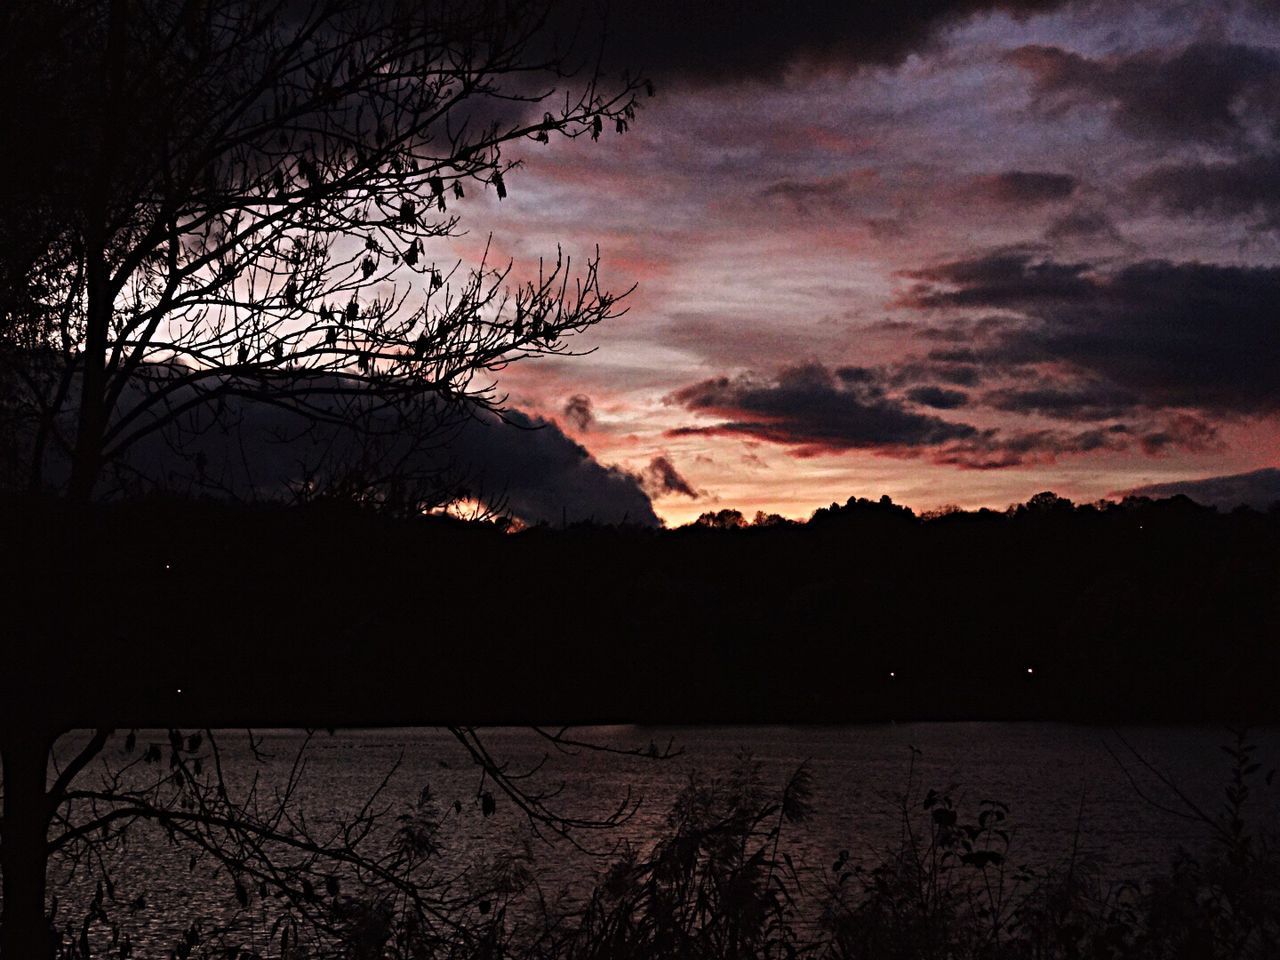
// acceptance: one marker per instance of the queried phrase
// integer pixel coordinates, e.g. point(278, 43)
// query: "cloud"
point(1172, 335)
point(259, 450)
point(1182, 431)
point(1083, 224)
point(578, 411)
point(1258, 489)
point(1245, 187)
point(806, 197)
point(940, 398)
point(1204, 92)
point(1028, 187)
point(661, 478)
point(1073, 401)
point(814, 409)
point(544, 476)
point(717, 41)
point(1005, 280)
point(996, 450)
point(960, 374)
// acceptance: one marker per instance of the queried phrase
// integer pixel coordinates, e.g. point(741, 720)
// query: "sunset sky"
point(958, 253)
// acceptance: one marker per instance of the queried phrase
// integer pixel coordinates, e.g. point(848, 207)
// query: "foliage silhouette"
point(219, 200)
point(719, 882)
point(328, 883)
point(951, 891)
point(714, 885)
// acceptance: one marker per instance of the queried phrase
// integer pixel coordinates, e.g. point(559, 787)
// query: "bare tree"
point(220, 201)
point(213, 202)
point(369, 882)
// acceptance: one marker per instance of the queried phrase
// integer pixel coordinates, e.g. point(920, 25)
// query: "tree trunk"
point(24, 932)
point(87, 456)
point(86, 460)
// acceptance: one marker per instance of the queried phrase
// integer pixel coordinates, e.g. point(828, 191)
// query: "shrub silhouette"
point(714, 886)
point(720, 884)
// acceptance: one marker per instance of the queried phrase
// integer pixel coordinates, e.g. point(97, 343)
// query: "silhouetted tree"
point(726, 519)
point(368, 883)
point(1045, 504)
point(218, 201)
point(862, 510)
point(763, 519)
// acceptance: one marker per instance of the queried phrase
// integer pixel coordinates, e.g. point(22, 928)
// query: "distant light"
point(166, 566)
point(892, 674)
point(179, 689)
point(1029, 670)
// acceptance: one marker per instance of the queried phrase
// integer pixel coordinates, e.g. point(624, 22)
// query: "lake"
point(1068, 787)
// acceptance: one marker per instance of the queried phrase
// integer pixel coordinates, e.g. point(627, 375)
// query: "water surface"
point(1073, 791)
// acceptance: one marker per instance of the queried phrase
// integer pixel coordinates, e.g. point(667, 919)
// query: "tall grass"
point(720, 883)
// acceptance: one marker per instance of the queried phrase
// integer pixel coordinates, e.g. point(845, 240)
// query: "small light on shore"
point(892, 674)
point(179, 689)
point(1030, 670)
point(166, 566)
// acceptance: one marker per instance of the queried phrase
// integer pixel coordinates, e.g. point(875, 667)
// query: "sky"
point(955, 253)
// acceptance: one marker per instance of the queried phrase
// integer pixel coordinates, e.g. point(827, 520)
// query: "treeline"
point(1143, 609)
point(1146, 609)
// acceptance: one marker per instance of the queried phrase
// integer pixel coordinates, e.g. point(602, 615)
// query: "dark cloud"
point(957, 331)
point(814, 409)
point(719, 41)
point(1184, 432)
point(866, 377)
point(940, 398)
point(809, 196)
point(1246, 187)
point(661, 478)
point(996, 450)
point(999, 449)
point(932, 373)
point(1077, 401)
point(1258, 489)
point(260, 450)
point(1028, 187)
point(544, 476)
point(1205, 92)
point(578, 411)
point(1190, 335)
point(1083, 225)
point(1006, 279)
point(961, 374)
